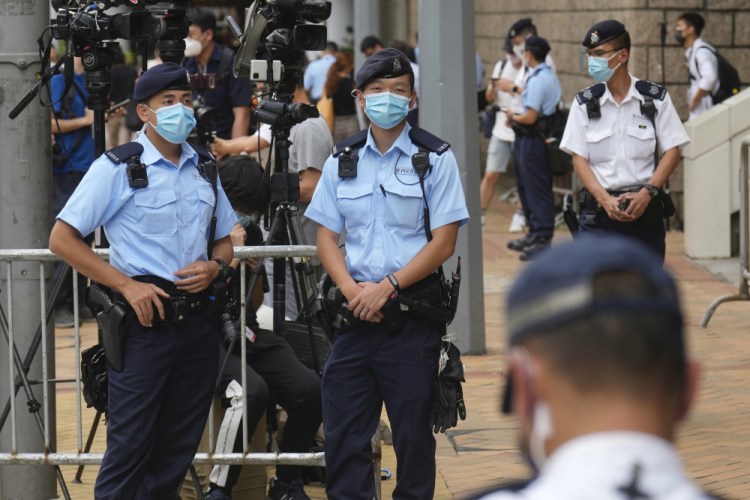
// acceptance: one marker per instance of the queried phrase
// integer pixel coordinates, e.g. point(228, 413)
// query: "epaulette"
point(353, 141)
point(650, 89)
point(423, 138)
point(124, 152)
point(595, 91)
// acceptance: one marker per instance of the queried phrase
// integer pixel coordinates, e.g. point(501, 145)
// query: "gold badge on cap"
point(595, 37)
point(396, 64)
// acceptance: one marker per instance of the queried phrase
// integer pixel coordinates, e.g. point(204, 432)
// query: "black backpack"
point(729, 78)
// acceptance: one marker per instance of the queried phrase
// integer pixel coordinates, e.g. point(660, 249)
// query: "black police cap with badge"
point(163, 76)
point(520, 26)
point(387, 63)
point(602, 32)
point(538, 46)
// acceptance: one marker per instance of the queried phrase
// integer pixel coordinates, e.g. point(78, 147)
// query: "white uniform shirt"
point(602, 466)
point(620, 145)
point(504, 70)
point(703, 67)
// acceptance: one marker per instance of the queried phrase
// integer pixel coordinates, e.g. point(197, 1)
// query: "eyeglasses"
point(600, 53)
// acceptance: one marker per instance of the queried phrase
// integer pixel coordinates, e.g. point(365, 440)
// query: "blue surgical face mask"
point(386, 110)
point(599, 68)
point(174, 123)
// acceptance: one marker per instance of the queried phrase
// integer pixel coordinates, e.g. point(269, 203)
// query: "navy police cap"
point(163, 76)
point(387, 63)
point(519, 26)
point(602, 32)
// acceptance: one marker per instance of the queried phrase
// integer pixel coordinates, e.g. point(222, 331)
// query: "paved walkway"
point(481, 452)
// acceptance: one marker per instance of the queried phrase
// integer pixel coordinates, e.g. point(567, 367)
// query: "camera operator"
point(157, 209)
point(211, 70)
point(379, 185)
point(273, 370)
point(73, 152)
point(311, 145)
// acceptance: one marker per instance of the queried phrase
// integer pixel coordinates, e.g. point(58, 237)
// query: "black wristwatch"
point(653, 191)
point(394, 282)
point(225, 271)
point(515, 89)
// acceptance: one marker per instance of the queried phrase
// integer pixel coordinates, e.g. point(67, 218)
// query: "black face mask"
point(678, 36)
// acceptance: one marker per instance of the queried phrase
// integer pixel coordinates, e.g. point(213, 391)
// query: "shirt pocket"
point(404, 206)
point(206, 200)
point(599, 142)
point(157, 211)
point(641, 142)
point(355, 204)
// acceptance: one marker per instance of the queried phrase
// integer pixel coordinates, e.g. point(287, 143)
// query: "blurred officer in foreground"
point(378, 186)
point(533, 177)
point(599, 375)
point(156, 207)
point(615, 132)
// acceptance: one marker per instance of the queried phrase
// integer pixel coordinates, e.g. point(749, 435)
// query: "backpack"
point(729, 78)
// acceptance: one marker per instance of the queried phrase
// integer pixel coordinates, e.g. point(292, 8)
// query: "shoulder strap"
point(124, 152)
point(209, 171)
point(650, 89)
point(426, 140)
point(352, 142)
point(590, 97)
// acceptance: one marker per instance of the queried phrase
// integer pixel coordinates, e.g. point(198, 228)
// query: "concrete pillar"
point(448, 109)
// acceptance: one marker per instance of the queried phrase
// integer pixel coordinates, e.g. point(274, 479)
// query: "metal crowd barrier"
point(50, 457)
point(743, 293)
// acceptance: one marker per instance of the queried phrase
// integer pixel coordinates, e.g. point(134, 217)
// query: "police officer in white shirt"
point(599, 375)
point(615, 131)
point(702, 63)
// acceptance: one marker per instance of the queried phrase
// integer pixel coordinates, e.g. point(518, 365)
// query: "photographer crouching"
point(273, 369)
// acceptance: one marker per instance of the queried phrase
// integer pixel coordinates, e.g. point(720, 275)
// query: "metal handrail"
point(80, 458)
point(743, 293)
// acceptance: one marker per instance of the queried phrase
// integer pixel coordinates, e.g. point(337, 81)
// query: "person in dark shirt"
point(339, 87)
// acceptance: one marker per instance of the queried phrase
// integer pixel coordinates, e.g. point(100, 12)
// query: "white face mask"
point(192, 47)
point(541, 431)
point(519, 49)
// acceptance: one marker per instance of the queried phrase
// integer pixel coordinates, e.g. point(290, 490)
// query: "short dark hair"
point(693, 19)
point(369, 42)
point(622, 41)
point(244, 183)
point(635, 352)
point(332, 47)
point(204, 19)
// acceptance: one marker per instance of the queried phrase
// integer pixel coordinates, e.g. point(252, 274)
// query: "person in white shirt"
point(599, 376)
point(500, 148)
point(615, 131)
point(702, 62)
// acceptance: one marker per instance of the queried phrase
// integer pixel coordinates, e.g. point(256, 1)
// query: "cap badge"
point(595, 37)
point(396, 64)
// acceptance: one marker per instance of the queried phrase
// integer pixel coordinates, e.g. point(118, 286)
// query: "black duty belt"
point(176, 307)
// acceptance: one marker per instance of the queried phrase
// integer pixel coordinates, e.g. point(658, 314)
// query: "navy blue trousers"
point(534, 184)
point(648, 228)
point(158, 407)
point(371, 365)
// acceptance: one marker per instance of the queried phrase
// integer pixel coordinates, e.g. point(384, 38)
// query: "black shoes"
point(279, 490)
point(530, 245)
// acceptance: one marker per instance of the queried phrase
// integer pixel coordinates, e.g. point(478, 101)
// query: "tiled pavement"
point(480, 453)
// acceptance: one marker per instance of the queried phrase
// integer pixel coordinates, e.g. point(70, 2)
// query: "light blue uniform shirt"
point(316, 75)
point(542, 91)
point(382, 207)
point(157, 229)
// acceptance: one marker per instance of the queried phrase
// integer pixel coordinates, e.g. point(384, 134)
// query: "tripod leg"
point(196, 483)
point(89, 442)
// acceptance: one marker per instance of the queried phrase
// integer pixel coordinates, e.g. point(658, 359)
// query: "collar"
point(539, 67)
point(632, 93)
point(151, 155)
point(402, 142)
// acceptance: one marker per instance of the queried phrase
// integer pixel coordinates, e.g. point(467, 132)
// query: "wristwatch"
point(394, 282)
point(225, 271)
point(515, 89)
point(653, 191)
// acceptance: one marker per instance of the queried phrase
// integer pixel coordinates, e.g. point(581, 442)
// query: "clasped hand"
point(368, 300)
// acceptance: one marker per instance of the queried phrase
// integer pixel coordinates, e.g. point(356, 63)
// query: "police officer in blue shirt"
point(158, 231)
point(371, 187)
point(533, 177)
